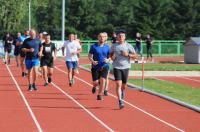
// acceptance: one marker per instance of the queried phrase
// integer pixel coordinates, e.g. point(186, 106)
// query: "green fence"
point(160, 47)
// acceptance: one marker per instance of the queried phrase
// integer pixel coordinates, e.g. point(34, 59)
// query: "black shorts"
point(22, 54)
point(16, 52)
point(46, 62)
point(7, 49)
point(121, 74)
point(96, 74)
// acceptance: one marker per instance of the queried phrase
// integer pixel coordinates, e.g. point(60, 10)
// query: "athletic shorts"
point(96, 74)
point(32, 63)
point(71, 64)
point(47, 62)
point(16, 52)
point(7, 49)
point(22, 54)
point(121, 74)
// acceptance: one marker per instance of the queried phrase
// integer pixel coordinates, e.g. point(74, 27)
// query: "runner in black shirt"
point(8, 40)
point(47, 59)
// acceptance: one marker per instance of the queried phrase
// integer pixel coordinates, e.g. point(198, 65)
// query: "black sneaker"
point(34, 87)
point(93, 90)
point(45, 84)
point(23, 74)
point(121, 104)
point(30, 88)
point(26, 74)
point(105, 92)
point(70, 84)
point(99, 97)
point(122, 94)
point(49, 79)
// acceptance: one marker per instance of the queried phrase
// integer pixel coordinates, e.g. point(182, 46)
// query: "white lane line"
point(149, 114)
point(190, 79)
point(26, 102)
point(80, 105)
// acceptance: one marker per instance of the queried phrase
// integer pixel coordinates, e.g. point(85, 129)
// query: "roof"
point(193, 41)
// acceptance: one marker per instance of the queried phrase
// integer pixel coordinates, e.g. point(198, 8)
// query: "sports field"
point(63, 108)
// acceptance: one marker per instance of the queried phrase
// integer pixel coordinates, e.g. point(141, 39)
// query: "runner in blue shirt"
point(32, 47)
point(99, 57)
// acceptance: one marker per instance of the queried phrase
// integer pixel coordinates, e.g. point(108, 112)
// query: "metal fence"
point(160, 47)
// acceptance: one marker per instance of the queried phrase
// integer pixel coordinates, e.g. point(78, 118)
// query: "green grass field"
point(166, 67)
point(178, 91)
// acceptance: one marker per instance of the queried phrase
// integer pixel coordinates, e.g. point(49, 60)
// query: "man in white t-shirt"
point(72, 49)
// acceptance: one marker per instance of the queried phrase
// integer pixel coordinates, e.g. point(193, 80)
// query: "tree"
point(148, 18)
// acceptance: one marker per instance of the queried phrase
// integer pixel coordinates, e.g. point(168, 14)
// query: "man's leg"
point(49, 74)
point(17, 60)
point(35, 75)
point(22, 66)
point(101, 87)
point(45, 72)
point(6, 57)
point(70, 76)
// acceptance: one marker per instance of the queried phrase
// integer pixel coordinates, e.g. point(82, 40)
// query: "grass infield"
point(178, 91)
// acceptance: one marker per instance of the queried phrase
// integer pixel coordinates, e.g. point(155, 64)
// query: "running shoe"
point(30, 88)
point(49, 80)
point(122, 94)
point(93, 90)
point(23, 74)
point(105, 92)
point(121, 104)
point(34, 87)
point(45, 84)
point(99, 97)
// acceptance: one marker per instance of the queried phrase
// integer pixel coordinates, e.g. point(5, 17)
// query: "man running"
point(121, 53)
point(72, 49)
point(32, 47)
point(17, 44)
point(47, 59)
point(22, 54)
point(99, 57)
point(8, 41)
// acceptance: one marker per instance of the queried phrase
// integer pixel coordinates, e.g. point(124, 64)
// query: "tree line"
point(163, 19)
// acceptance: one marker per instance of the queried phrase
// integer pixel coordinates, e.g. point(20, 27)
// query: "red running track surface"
point(59, 107)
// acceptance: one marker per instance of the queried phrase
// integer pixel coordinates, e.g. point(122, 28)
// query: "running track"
point(59, 107)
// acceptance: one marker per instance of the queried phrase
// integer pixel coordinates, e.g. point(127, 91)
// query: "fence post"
point(159, 48)
point(178, 48)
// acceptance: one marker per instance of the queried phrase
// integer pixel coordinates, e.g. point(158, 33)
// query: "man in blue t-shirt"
point(32, 47)
point(99, 57)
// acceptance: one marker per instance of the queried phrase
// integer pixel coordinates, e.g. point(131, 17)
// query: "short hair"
point(121, 31)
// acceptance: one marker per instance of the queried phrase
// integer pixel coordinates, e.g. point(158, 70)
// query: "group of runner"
point(119, 55)
point(41, 52)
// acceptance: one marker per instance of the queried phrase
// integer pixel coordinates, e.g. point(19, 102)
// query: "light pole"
point(63, 21)
point(29, 14)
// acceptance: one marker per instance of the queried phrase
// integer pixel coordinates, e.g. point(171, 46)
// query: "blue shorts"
point(71, 64)
point(32, 63)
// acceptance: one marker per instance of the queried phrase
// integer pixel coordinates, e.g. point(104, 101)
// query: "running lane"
point(193, 82)
point(155, 113)
point(14, 115)
point(54, 110)
point(166, 114)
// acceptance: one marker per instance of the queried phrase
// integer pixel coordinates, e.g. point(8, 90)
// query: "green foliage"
point(166, 19)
